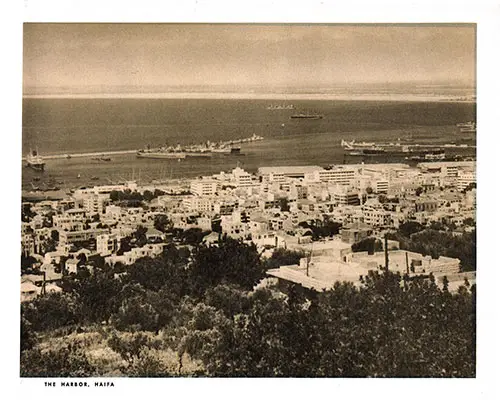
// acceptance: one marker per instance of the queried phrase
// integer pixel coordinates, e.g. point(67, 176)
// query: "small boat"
point(94, 178)
point(78, 176)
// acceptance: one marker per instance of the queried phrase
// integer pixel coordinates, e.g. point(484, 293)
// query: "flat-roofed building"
point(339, 175)
point(204, 187)
point(242, 178)
point(376, 216)
point(278, 173)
point(382, 186)
point(94, 203)
point(107, 244)
point(355, 232)
point(341, 196)
point(80, 236)
point(464, 179)
point(320, 273)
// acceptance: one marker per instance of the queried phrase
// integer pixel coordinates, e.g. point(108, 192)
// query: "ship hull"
point(306, 117)
point(199, 155)
point(162, 155)
point(36, 167)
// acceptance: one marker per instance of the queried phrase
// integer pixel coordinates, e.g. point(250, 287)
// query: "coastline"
point(82, 155)
point(257, 96)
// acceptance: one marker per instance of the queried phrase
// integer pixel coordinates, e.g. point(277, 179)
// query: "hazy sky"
point(98, 55)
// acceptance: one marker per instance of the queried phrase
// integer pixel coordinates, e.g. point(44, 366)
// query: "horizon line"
point(257, 96)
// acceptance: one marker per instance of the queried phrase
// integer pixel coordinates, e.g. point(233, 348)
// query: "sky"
point(95, 57)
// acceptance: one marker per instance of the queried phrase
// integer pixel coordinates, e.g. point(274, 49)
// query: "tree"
point(26, 213)
point(27, 264)
point(162, 223)
point(231, 261)
point(136, 314)
point(97, 295)
point(140, 236)
point(228, 298)
point(193, 236)
point(28, 338)
point(54, 234)
point(419, 191)
point(148, 195)
point(382, 198)
point(52, 311)
point(284, 204)
point(282, 256)
point(125, 245)
point(68, 361)
point(410, 227)
point(371, 245)
point(469, 222)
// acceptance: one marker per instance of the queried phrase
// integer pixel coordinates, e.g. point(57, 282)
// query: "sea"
point(79, 125)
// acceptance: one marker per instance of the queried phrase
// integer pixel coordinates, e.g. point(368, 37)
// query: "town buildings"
point(277, 207)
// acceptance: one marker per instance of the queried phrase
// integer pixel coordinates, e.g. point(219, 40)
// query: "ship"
point(35, 161)
point(274, 107)
point(203, 150)
point(160, 153)
point(467, 127)
point(392, 151)
point(227, 150)
point(101, 158)
point(307, 116)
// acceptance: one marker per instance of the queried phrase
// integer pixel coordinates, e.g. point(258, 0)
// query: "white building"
point(107, 244)
point(464, 179)
point(242, 178)
point(382, 186)
point(204, 187)
point(375, 216)
point(130, 257)
point(94, 203)
point(278, 174)
point(342, 196)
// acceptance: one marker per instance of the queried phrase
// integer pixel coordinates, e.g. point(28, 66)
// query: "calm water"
point(59, 126)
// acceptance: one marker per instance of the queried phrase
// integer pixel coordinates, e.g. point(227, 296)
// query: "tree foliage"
point(230, 261)
point(283, 256)
point(203, 305)
point(370, 244)
point(69, 361)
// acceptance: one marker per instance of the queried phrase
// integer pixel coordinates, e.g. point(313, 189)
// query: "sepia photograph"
point(248, 200)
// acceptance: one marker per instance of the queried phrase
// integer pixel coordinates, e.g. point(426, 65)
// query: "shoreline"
point(83, 155)
point(260, 96)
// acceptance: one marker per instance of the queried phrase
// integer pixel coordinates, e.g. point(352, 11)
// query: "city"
point(279, 207)
point(247, 200)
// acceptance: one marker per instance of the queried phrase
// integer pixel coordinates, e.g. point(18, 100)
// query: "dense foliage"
point(371, 245)
point(197, 313)
point(322, 228)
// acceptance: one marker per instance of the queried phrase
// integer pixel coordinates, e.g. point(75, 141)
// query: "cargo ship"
point(35, 161)
point(207, 149)
point(393, 152)
point(160, 153)
point(307, 116)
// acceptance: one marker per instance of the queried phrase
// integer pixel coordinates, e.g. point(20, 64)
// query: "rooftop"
point(289, 169)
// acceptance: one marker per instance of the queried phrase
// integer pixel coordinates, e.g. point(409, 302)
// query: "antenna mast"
point(309, 259)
